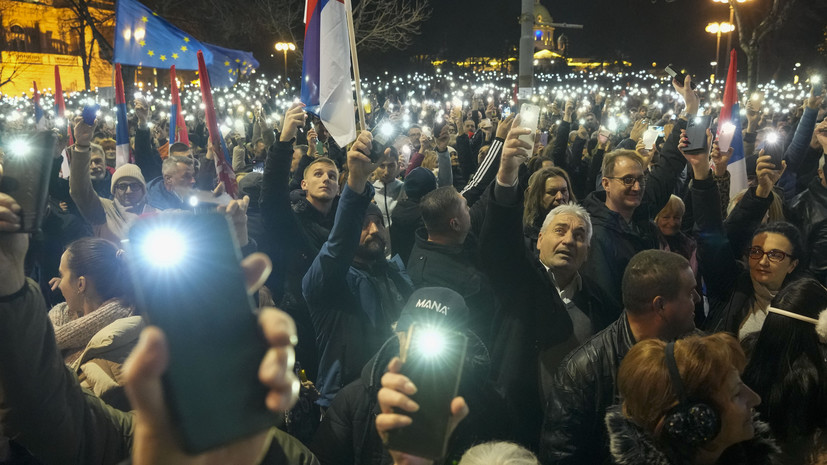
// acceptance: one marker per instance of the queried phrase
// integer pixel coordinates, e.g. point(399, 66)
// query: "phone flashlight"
point(19, 147)
point(164, 247)
point(772, 137)
point(431, 342)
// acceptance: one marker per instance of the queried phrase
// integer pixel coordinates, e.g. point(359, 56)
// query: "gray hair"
point(170, 165)
point(498, 453)
point(570, 208)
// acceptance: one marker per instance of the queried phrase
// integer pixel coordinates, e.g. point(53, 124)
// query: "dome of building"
point(541, 14)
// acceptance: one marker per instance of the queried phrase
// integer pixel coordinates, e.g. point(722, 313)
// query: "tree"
point(10, 71)
point(382, 25)
point(751, 35)
point(94, 19)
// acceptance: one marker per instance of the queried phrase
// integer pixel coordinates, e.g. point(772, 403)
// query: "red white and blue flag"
point(222, 166)
point(177, 126)
point(122, 152)
point(731, 112)
point(60, 105)
point(326, 68)
point(39, 120)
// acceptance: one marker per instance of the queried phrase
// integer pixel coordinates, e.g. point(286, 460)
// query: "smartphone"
point(383, 136)
point(506, 112)
point(529, 118)
point(675, 74)
point(758, 98)
point(26, 171)
point(432, 359)
point(89, 113)
point(426, 131)
point(544, 138)
point(696, 133)
point(188, 282)
point(818, 86)
point(774, 147)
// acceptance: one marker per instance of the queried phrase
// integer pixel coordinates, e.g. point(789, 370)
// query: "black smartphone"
point(432, 359)
point(774, 147)
point(383, 136)
point(675, 74)
point(818, 86)
point(188, 282)
point(26, 170)
point(696, 133)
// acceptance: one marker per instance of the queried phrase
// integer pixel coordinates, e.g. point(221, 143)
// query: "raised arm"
point(80, 181)
point(146, 157)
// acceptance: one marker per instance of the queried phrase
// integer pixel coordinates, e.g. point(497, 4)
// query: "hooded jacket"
point(347, 435)
point(387, 195)
point(631, 445)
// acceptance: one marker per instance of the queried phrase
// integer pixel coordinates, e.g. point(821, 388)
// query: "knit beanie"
point(128, 170)
point(419, 182)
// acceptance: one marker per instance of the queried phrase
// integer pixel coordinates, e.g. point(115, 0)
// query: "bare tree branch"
point(383, 25)
point(14, 71)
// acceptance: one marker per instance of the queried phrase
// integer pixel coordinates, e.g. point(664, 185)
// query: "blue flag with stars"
point(142, 38)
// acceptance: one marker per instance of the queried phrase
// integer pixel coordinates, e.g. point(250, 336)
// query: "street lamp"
point(731, 21)
point(718, 29)
point(285, 47)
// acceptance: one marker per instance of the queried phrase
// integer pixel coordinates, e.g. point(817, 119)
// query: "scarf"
point(73, 332)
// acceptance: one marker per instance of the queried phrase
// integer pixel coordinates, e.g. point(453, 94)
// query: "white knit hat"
point(128, 170)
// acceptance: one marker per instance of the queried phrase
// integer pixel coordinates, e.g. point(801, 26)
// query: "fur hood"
point(630, 445)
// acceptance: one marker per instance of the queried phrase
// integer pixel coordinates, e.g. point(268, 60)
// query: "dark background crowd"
point(623, 300)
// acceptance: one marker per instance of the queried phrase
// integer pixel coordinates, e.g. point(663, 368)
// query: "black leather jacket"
point(583, 388)
point(809, 211)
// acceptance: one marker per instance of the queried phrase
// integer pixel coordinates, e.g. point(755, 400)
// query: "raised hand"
point(83, 132)
point(293, 119)
point(515, 152)
point(698, 162)
point(767, 173)
point(359, 164)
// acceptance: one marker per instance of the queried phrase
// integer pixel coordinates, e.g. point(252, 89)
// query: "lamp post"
point(718, 29)
point(285, 47)
point(731, 21)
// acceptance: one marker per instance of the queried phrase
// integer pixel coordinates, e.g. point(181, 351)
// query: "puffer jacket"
point(584, 387)
point(347, 435)
point(631, 445)
point(809, 211)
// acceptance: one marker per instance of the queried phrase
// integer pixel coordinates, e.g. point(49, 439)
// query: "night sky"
point(643, 33)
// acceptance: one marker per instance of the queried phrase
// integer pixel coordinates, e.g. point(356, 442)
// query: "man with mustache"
point(353, 293)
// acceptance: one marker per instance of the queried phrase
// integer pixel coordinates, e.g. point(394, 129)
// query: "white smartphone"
point(529, 118)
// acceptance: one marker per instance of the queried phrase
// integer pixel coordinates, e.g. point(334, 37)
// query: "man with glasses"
point(110, 219)
point(622, 215)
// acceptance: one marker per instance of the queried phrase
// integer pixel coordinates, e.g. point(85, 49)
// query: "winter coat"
point(614, 241)
point(73, 332)
point(456, 267)
point(532, 319)
point(352, 308)
point(36, 386)
point(631, 445)
point(809, 212)
point(406, 219)
point(729, 288)
point(584, 387)
point(387, 195)
point(159, 197)
point(347, 435)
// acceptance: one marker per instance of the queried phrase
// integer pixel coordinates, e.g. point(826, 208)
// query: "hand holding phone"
point(678, 76)
point(529, 118)
point(90, 113)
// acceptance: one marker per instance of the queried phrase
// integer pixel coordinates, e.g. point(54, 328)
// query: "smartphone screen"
point(188, 282)
point(26, 172)
point(433, 361)
point(696, 133)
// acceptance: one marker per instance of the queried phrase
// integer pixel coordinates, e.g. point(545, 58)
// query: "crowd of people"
point(622, 300)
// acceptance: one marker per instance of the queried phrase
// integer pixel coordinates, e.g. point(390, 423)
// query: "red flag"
point(177, 126)
point(224, 170)
point(60, 104)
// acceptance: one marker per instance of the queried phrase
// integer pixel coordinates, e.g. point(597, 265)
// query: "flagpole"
point(355, 60)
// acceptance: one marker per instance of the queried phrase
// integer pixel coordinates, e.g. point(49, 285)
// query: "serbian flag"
point(731, 113)
point(326, 83)
point(39, 120)
point(60, 104)
point(224, 169)
point(122, 155)
point(177, 126)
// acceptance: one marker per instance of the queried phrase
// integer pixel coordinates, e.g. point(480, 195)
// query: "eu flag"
point(142, 38)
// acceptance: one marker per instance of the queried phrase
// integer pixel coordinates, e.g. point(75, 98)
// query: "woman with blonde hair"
point(684, 404)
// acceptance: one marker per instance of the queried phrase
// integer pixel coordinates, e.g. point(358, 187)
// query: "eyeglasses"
point(122, 186)
point(774, 255)
point(630, 180)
